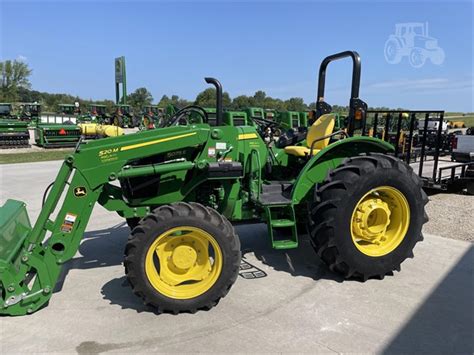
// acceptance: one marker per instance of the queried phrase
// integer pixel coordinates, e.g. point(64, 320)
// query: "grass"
point(13, 158)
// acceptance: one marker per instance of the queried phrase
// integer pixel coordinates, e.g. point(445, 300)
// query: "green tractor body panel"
point(316, 169)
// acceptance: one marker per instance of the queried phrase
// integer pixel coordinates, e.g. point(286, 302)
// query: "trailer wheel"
point(182, 257)
point(367, 216)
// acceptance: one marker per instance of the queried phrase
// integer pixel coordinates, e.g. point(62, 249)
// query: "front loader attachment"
point(31, 258)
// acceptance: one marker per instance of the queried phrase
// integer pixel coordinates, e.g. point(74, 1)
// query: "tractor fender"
point(317, 167)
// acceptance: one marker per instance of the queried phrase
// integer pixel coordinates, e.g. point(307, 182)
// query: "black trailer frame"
point(428, 152)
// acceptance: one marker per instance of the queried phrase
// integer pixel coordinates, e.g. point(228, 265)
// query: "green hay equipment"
point(13, 133)
point(181, 186)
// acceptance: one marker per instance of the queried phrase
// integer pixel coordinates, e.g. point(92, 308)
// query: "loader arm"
point(31, 258)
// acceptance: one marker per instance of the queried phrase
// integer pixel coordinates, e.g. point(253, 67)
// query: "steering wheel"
point(265, 124)
point(183, 116)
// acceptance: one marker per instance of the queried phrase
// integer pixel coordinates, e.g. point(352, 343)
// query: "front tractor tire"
point(367, 216)
point(182, 257)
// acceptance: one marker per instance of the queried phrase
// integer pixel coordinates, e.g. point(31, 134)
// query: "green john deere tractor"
point(151, 116)
point(29, 112)
point(95, 114)
point(180, 188)
point(123, 116)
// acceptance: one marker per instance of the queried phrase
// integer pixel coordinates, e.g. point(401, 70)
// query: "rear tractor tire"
point(182, 257)
point(367, 216)
point(132, 222)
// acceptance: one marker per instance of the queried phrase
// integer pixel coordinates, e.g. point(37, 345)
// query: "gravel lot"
point(451, 216)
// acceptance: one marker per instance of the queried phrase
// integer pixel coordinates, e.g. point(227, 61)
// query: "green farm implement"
point(58, 130)
point(180, 188)
point(13, 133)
point(57, 135)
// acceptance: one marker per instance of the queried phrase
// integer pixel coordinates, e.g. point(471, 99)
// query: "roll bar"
point(357, 107)
point(355, 72)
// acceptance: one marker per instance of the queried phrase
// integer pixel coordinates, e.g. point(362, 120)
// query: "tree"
point(241, 102)
point(15, 75)
point(139, 98)
point(175, 101)
point(259, 98)
point(295, 104)
point(207, 98)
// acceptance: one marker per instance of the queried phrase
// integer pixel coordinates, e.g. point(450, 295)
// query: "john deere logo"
point(80, 191)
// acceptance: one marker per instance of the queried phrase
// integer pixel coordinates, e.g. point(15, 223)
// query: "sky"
point(275, 46)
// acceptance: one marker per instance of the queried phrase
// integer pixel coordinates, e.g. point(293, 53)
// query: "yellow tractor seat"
point(321, 128)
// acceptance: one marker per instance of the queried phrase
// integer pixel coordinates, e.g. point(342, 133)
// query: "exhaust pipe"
point(219, 109)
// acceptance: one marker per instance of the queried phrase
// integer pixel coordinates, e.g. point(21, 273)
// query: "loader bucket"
point(17, 276)
point(14, 228)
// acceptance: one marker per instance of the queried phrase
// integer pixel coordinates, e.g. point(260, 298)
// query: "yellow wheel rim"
point(183, 262)
point(380, 221)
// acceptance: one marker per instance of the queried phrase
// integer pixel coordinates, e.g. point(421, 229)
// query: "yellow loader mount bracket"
point(180, 187)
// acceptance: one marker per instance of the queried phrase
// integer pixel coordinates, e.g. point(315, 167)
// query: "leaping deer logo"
point(80, 191)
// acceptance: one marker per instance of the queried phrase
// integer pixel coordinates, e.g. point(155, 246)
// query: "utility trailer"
point(426, 149)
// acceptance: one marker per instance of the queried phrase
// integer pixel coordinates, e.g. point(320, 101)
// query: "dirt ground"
point(451, 216)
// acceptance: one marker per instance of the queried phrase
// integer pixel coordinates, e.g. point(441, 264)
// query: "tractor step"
point(275, 193)
point(281, 224)
point(276, 187)
point(285, 244)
